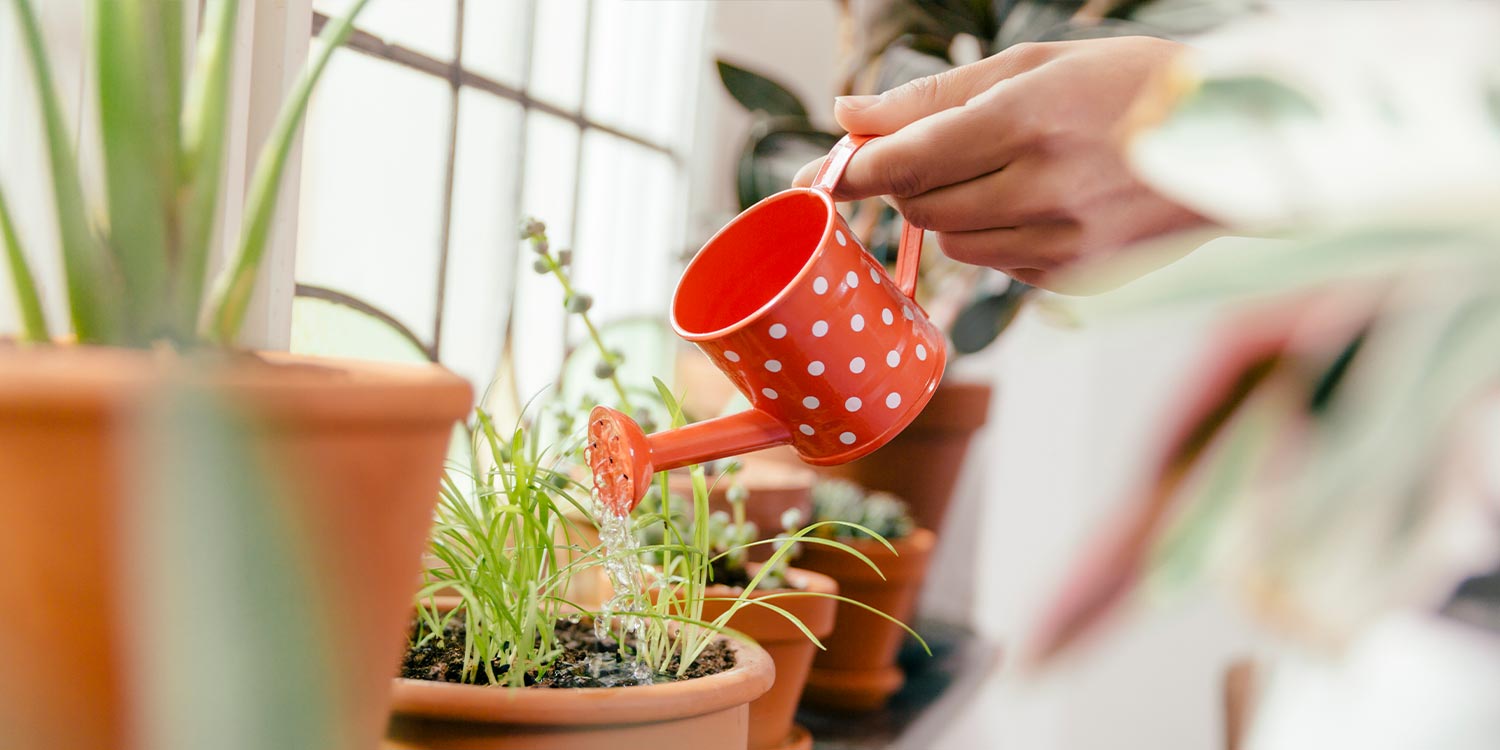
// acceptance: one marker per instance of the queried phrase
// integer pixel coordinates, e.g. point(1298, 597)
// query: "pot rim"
point(751, 677)
point(87, 381)
point(810, 581)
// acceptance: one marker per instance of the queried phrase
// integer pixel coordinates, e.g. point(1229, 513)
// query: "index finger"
point(952, 146)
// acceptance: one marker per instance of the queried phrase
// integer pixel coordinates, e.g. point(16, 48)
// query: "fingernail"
point(855, 103)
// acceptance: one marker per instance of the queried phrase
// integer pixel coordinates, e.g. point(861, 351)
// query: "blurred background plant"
point(854, 512)
point(1330, 463)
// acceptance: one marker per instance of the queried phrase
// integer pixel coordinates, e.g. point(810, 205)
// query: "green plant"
point(138, 274)
point(857, 513)
point(1369, 338)
point(503, 539)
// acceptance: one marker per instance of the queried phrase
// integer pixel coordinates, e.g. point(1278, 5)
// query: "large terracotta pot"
point(359, 445)
point(706, 712)
point(923, 463)
point(858, 670)
point(771, 715)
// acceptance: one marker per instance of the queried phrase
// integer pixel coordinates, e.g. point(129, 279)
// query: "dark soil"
point(586, 662)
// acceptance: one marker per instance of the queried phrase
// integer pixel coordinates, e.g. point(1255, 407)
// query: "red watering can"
point(835, 357)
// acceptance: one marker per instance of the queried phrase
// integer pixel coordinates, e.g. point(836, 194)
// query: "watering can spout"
point(624, 458)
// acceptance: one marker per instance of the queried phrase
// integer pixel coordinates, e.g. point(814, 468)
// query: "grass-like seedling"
point(503, 542)
point(860, 513)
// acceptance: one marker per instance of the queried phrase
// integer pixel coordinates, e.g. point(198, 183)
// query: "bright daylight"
point(749, 375)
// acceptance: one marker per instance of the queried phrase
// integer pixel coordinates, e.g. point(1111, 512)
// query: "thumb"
point(886, 113)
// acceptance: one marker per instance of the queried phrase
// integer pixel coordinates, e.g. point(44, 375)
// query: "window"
point(442, 124)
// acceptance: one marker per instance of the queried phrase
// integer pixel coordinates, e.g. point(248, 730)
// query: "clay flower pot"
point(922, 464)
point(360, 447)
point(771, 715)
point(858, 671)
point(705, 712)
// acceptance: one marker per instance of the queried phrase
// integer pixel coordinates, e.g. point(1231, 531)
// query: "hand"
point(1016, 160)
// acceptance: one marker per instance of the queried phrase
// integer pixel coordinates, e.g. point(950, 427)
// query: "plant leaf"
point(139, 132)
point(204, 128)
point(987, 317)
point(758, 93)
point(33, 318)
point(220, 574)
point(234, 288)
point(93, 293)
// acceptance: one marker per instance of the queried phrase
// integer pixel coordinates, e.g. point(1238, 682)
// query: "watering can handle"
point(909, 252)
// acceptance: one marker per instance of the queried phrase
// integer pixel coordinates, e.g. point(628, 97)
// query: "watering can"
point(835, 356)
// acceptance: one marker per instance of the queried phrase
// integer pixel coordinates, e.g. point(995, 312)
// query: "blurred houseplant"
point(347, 454)
point(1330, 464)
point(857, 670)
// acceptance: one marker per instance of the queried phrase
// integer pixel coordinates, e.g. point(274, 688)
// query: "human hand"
point(1016, 161)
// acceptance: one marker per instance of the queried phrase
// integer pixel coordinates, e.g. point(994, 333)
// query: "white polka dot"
point(874, 275)
point(906, 313)
point(852, 279)
point(853, 404)
point(838, 234)
point(847, 438)
point(921, 352)
point(806, 429)
point(857, 365)
point(771, 394)
point(814, 368)
point(887, 317)
point(820, 328)
point(857, 322)
point(773, 365)
point(820, 285)
point(810, 402)
point(731, 356)
point(893, 358)
point(893, 400)
point(778, 331)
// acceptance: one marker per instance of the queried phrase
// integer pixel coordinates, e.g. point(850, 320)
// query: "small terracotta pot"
point(773, 488)
point(923, 463)
point(359, 447)
point(705, 712)
point(858, 671)
point(771, 715)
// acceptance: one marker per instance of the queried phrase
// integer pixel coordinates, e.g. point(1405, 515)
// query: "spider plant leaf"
point(759, 93)
point(93, 294)
point(33, 317)
point(204, 128)
point(231, 298)
point(138, 125)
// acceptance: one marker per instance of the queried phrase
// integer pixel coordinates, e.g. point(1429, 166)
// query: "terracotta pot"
point(706, 712)
point(858, 671)
point(771, 715)
point(922, 464)
point(360, 446)
point(773, 488)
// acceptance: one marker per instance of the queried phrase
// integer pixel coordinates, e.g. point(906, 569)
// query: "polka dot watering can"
point(835, 357)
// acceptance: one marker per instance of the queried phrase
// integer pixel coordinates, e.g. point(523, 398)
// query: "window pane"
point(423, 25)
point(551, 156)
point(495, 39)
point(329, 329)
point(629, 227)
point(557, 52)
point(482, 246)
point(638, 83)
point(371, 204)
